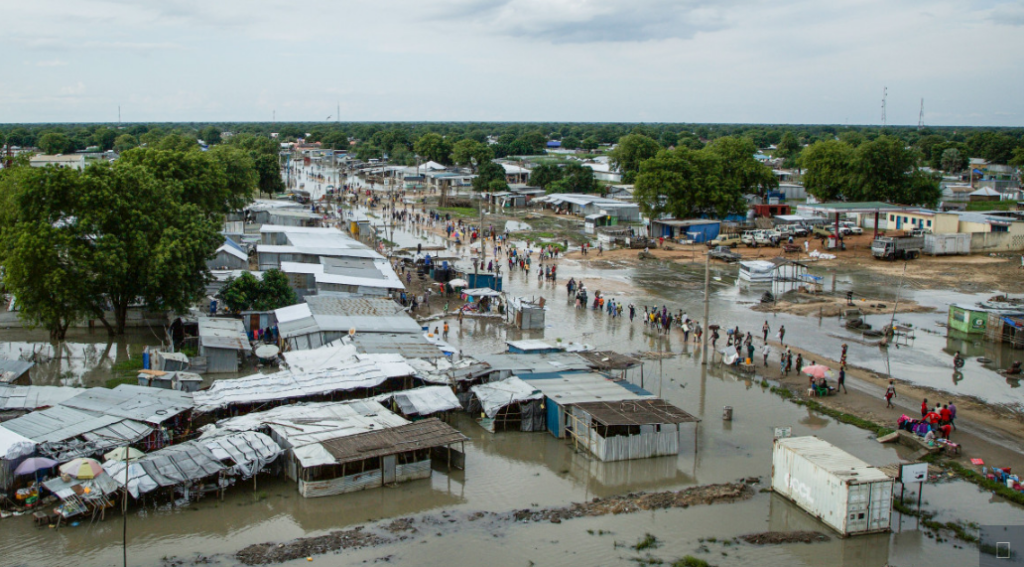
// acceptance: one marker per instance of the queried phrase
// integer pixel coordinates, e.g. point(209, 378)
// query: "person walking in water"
point(782, 335)
point(766, 329)
point(766, 351)
point(890, 393)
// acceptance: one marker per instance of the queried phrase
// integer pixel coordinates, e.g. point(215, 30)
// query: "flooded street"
point(515, 470)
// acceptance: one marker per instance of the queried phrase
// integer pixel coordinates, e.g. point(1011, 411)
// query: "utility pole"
point(707, 309)
point(119, 117)
point(920, 116)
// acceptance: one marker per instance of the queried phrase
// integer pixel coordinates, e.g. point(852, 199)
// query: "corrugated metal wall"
point(341, 485)
point(220, 360)
point(646, 444)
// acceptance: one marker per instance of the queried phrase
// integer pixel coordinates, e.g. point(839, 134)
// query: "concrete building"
point(73, 161)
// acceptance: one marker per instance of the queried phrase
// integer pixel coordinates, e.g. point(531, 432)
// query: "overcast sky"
point(778, 61)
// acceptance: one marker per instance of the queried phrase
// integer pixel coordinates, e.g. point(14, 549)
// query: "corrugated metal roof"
point(581, 387)
point(366, 315)
point(60, 423)
point(216, 332)
point(409, 345)
point(11, 370)
point(18, 398)
point(532, 344)
point(495, 395)
point(423, 434)
point(534, 363)
point(149, 405)
point(424, 401)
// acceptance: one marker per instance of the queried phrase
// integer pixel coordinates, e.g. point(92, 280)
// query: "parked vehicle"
point(822, 232)
point(728, 240)
point(724, 253)
point(848, 228)
point(897, 247)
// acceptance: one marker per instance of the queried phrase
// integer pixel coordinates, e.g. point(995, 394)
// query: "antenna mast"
point(885, 93)
point(920, 116)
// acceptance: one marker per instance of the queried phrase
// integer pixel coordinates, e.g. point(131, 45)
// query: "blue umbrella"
point(33, 464)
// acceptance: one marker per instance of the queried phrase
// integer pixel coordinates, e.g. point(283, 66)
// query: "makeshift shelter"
point(189, 468)
point(79, 497)
point(329, 373)
point(526, 314)
point(407, 345)
point(14, 449)
point(509, 404)
point(480, 299)
point(508, 364)
point(611, 363)
point(419, 403)
point(627, 429)
point(19, 400)
point(532, 346)
point(223, 343)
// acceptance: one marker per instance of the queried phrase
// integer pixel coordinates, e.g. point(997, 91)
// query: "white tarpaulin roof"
point(495, 395)
point(330, 370)
point(423, 401)
point(302, 427)
point(482, 292)
point(13, 445)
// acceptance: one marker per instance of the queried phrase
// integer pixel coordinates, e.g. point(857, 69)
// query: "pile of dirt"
point(403, 528)
point(268, 553)
point(636, 502)
point(772, 538)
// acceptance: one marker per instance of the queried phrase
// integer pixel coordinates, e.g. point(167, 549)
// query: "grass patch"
point(464, 212)
point(189, 351)
point(125, 372)
point(690, 561)
point(992, 206)
point(647, 542)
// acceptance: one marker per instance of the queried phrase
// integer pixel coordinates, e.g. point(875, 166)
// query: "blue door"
point(553, 411)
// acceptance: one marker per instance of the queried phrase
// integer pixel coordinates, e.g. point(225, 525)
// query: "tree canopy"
point(490, 177)
point(247, 293)
point(630, 152)
point(138, 231)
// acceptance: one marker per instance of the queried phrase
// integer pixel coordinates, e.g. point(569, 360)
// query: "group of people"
point(935, 423)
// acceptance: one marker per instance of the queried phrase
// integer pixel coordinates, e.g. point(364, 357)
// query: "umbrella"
point(818, 371)
point(82, 469)
point(121, 453)
point(458, 282)
point(31, 465)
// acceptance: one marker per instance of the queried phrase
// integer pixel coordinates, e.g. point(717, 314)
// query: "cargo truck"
point(897, 247)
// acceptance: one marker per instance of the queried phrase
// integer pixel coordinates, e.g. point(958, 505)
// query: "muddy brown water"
point(512, 471)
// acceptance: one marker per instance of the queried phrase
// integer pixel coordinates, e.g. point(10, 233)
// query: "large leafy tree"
point(246, 293)
point(631, 151)
point(544, 175)
point(264, 155)
point(884, 169)
point(55, 143)
point(434, 147)
point(685, 183)
point(575, 178)
point(749, 175)
point(828, 165)
point(490, 177)
point(470, 153)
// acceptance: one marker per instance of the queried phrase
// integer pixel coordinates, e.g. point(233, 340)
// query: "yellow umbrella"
point(82, 469)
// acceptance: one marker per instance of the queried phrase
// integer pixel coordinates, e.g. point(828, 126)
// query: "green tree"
point(570, 142)
point(490, 177)
point(750, 175)
point(574, 178)
point(470, 153)
point(104, 138)
point(210, 135)
point(264, 154)
point(544, 175)
point(55, 143)
point(125, 142)
point(852, 137)
point(630, 152)
point(434, 147)
point(884, 169)
point(590, 143)
point(247, 293)
point(788, 146)
point(829, 166)
point(38, 247)
point(952, 161)
point(686, 183)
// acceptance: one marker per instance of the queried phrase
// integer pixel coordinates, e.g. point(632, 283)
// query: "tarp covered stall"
point(64, 433)
point(508, 404)
point(14, 449)
point(422, 402)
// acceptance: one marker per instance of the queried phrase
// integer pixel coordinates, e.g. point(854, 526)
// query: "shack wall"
point(341, 485)
point(645, 445)
point(220, 360)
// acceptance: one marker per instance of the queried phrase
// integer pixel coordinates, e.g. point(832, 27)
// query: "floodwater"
point(515, 470)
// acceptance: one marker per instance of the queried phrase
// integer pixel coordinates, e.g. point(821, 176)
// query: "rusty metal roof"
point(636, 412)
point(423, 434)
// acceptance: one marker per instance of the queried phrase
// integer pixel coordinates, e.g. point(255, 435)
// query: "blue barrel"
point(145, 361)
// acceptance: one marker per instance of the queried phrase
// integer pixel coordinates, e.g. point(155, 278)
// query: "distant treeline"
point(398, 139)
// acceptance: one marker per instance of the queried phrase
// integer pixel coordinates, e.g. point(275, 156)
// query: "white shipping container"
point(947, 244)
point(847, 494)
